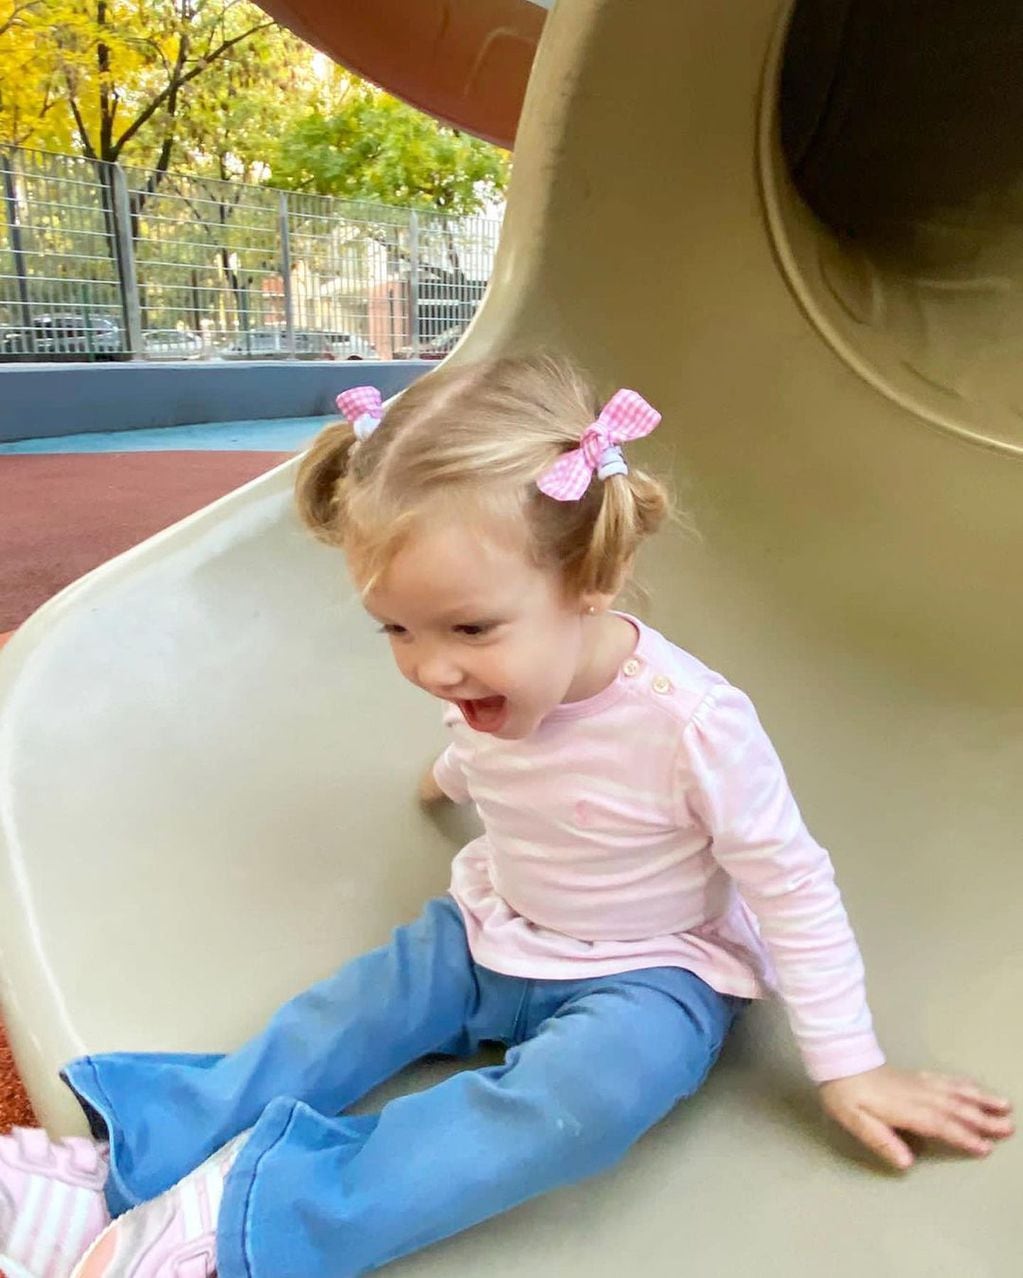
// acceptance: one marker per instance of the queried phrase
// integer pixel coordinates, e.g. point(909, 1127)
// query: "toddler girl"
point(643, 873)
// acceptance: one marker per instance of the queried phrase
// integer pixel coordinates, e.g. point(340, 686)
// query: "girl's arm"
point(735, 784)
point(430, 792)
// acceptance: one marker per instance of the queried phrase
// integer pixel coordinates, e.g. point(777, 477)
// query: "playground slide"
point(207, 766)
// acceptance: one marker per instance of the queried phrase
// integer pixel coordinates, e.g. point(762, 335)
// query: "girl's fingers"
point(992, 1104)
point(969, 1090)
point(954, 1131)
point(930, 1118)
point(879, 1137)
point(993, 1125)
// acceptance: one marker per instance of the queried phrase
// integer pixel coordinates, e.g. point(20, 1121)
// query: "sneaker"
point(51, 1202)
point(172, 1236)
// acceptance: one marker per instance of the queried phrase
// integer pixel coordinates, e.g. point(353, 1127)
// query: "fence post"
point(413, 252)
point(284, 233)
point(7, 160)
point(124, 246)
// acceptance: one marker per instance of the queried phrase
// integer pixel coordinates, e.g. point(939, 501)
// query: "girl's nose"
point(438, 674)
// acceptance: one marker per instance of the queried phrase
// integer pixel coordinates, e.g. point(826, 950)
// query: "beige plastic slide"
point(207, 763)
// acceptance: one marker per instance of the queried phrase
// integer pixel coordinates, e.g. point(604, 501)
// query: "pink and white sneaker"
point(51, 1202)
point(172, 1236)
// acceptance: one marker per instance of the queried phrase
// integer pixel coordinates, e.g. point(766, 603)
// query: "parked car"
point(65, 334)
point(175, 343)
point(438, 347)
point(308, 342)
point(350, 346)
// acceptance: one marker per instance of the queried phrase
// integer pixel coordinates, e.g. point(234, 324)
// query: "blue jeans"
point(592, 1064)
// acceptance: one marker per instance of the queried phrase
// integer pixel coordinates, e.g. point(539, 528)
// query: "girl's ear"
point(592, 603)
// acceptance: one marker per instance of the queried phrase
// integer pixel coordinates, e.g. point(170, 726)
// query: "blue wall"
point(44, 400)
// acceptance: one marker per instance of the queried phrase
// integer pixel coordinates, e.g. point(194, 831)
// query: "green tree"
point(249, 99)
point(362, 144)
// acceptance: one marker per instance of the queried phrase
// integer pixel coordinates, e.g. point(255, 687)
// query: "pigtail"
point(317, 488)
point(631, 508)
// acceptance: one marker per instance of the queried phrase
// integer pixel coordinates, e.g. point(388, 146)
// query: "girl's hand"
point(430, 792)
point(873, 1105)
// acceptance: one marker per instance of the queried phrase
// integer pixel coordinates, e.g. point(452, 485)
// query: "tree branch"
point(142, 198)
point(83, 132)
point(106, 115)
point(220, 24)
point(149, 43)
point(15, 14)
point(154, 106)
point(163, 160)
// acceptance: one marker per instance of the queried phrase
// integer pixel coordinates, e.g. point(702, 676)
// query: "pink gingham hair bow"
point(363, 407)
point(625, 416)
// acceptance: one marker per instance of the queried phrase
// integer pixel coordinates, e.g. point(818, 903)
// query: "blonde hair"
point(476, 438)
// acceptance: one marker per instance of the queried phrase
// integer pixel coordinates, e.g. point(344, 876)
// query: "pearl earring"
point(591, 611)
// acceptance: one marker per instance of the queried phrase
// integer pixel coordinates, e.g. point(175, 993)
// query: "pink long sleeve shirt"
point(652, 825)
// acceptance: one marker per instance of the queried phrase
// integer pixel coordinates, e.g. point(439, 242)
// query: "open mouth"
point(486, 714)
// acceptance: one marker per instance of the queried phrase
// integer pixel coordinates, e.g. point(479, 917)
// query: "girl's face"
point(473, 621)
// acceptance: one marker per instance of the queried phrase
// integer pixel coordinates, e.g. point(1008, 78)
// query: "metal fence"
point(104, 261)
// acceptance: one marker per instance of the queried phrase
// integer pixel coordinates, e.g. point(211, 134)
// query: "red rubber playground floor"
point(63, 515)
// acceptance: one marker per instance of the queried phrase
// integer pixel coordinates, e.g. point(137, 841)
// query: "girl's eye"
point(478, 630)
point(390, 629)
